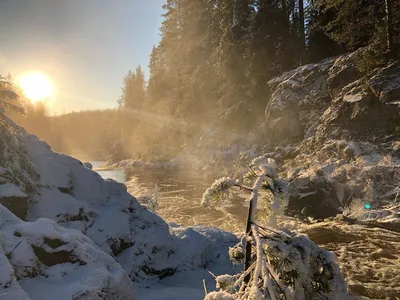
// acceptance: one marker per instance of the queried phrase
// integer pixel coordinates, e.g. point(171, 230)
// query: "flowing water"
point(179, 197)
point(369, 257)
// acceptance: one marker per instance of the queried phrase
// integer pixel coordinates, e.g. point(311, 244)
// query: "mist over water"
point(179, 196)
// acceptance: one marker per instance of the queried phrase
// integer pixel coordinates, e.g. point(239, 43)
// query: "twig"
point(273, 275)
point(273, 230)
point(247, 272)
point(204, 286)
point(212, 274)
point(254, 172)
point(243, 187)
point(9, 254)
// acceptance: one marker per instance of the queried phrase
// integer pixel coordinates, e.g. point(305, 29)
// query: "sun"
point(36, 86)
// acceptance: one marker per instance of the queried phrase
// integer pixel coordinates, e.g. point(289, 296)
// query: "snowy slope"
point(83, 237)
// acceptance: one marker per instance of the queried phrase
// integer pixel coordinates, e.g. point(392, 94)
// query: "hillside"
point(69, 234)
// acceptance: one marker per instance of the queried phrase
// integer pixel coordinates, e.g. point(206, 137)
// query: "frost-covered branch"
point(278, 265)
point(286, 268)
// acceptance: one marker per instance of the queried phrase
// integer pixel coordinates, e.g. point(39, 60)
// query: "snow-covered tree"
point(278, 264)
point(8, 97)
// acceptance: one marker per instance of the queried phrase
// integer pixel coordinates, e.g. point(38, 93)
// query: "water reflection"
point(117, 175)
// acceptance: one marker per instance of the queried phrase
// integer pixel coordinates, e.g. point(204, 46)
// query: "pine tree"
point(389, 25)
point(133, 90)
point(319, 44)
point(302, 38)
point(9, 98)
point(360, 23)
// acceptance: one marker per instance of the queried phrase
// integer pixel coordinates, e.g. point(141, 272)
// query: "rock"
point(334, 99)
point(14, 199)
point(45, 254)
point(313, 196)
point(298, 99)
point(385, 84)
point(344, 71)
point(88, 165)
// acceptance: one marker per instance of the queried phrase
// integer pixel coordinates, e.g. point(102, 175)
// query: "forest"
point(211, 69)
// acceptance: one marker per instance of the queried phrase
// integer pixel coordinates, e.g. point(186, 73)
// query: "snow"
point(66, 258)
point(9, 286)
point(219, 190)
point(221, 295)
point(8, 190)
point(88, 238)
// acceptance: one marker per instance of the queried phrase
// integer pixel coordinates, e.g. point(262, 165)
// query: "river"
point(179, 196)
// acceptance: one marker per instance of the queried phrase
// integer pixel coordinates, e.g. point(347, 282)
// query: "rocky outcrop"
point(335, 130)
point(334, 100)
point(65, 261)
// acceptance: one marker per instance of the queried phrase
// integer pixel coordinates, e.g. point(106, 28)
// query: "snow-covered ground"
point(83, 237)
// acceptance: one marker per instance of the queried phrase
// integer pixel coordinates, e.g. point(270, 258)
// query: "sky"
point(84, 46)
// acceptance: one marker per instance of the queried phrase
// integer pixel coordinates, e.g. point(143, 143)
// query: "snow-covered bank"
point(78, 226)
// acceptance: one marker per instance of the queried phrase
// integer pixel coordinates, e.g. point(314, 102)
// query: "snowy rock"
point(333, 98)
point(386, 84)
point(53, 167)
point(60, 261)
point(15, 200)
point(298, 99)
point(313, 197)
point(88, 165)
point(344, 71)
point(344, 126)
point(11, 190)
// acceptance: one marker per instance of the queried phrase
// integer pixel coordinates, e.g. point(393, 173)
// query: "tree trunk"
point(389, 25)
point(251, 219)
point(247, 262)
point(302, 33)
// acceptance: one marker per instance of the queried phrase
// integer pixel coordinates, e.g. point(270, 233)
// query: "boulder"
point(333, 99)
point(298, 99)
point(313, 197)
point(14, 199)
point(41, 253)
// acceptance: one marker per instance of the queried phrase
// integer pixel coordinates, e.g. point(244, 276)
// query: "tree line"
point(215, 57)
point(212, 66)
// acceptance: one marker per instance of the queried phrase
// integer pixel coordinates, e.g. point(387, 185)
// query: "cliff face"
point(336, 132)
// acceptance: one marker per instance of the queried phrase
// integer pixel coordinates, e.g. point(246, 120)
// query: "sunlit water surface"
point(179, 197)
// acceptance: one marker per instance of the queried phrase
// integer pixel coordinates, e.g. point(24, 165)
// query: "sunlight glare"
point(36, 86)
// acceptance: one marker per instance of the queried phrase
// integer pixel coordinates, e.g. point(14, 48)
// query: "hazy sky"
point(85, 46)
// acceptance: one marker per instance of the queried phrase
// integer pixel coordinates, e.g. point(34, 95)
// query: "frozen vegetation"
point(278, 264)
